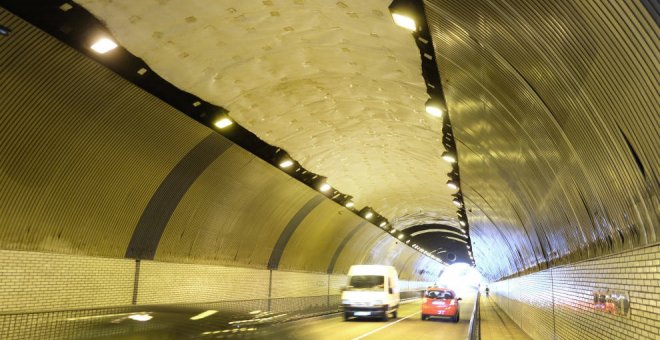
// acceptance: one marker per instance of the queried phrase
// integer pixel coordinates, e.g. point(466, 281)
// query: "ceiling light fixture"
point(434, 107)
point(223, 122)
point(456, 239)
point(403, 14)
point(382, 224)
point(457, 202)
point(369, 214)
point(404, 21)
point(462, 223)
point(349, 204)
point(325, 187)
point(452, 184)
point(449, 156)
point(103, 45)
point(286, 163)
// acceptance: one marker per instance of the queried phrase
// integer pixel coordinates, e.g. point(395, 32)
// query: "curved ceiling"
point(554, 108)
point(336, 84)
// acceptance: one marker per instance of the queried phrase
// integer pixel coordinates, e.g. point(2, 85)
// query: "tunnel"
point(213, 169)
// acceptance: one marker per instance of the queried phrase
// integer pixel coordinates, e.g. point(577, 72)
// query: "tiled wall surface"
point(558, 303)
point(40, 293)
point(31, 281)
point(36, 282)
point(162, 282)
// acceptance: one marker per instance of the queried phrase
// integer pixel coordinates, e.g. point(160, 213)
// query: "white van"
point(372, 291)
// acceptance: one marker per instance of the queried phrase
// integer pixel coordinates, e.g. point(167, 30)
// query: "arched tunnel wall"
point(554, 107)
point(95, 174)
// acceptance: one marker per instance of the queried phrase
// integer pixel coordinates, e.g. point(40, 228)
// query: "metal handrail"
point(474, 332)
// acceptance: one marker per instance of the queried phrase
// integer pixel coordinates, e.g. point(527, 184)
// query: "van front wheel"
point(394, 314)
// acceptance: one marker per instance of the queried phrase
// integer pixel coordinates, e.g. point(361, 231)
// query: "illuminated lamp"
point(434, 107)
point(452, 184)
point(103, 45)
point(403, 14)
point(449, 156)
point(325, 187)
point(223, 122)
point(286, 163)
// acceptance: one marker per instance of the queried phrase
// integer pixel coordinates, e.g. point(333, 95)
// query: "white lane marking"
point(380, 328)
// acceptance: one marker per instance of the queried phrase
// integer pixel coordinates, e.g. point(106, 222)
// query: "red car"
point(440, 302)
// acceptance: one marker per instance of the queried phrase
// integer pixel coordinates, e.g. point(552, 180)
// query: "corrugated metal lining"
point(78, 161)
point(318, 237)
point(342, 245)
point(160, 208)
point(233, 214)
point(555, 108)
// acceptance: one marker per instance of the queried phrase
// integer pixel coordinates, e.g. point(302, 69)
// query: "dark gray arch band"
point(160, 208)
point(290, 228)
point(340, 248)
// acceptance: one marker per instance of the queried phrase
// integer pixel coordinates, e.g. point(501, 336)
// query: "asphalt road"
point(407, 326)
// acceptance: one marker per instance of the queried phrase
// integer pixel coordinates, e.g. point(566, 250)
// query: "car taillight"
point(453, 302)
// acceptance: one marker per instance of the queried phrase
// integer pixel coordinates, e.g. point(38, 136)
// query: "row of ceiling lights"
point(409, 14)
point(220, 120)
point(282, 159)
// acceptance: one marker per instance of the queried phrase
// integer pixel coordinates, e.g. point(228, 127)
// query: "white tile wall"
point(559, 302)
point(32, 281)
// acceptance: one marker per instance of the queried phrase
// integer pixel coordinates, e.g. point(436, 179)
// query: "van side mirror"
point(459, 299)
point(390, 291)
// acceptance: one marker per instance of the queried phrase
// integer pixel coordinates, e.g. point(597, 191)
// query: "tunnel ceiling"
point(554, 108)
point(334, 83)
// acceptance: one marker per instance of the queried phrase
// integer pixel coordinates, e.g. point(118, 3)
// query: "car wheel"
point(423, 317)
point(457, 316)
point(346, 315)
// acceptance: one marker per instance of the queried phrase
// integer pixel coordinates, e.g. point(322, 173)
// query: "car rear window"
point(439, 294)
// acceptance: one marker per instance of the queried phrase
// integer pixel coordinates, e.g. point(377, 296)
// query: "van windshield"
point(366, 282)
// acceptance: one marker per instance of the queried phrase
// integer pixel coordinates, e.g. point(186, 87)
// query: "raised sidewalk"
point(495, 324)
